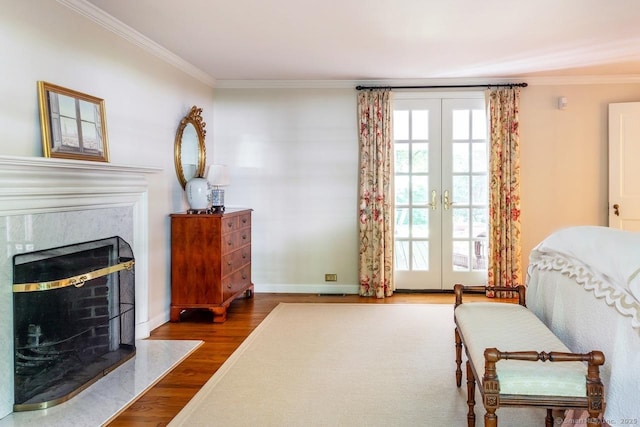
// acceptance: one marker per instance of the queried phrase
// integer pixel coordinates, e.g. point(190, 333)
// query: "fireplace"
point(74, 319)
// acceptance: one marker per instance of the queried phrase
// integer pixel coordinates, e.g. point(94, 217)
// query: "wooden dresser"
point(210, 261)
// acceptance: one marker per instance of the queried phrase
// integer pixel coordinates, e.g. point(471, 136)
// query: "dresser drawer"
point(235, 240)
point(236, 281)
point(235, 260)
point(229, 224)
point(233, 223)
point(244, 220)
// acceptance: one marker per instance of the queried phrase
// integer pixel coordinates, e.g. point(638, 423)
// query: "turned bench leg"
point(594, 419)
point(548, 421)
point(471, 396)
point(490, 418)
point(458, 358)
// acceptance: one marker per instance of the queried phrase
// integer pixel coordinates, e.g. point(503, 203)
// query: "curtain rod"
point(443, 86)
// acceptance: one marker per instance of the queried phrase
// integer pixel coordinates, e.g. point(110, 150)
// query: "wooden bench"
point(493, 332)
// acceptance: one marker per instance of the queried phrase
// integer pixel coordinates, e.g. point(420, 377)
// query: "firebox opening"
point(74, 319)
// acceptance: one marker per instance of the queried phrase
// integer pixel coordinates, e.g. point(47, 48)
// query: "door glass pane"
point(421, 255)
point(461, 223)
point(479, 190)
point(461, 189)
point(401, 164)
point(401, 253)
point(478, 124)
point(461, 256)
point(479, 162)
point(420, 157)
point(479, 255)
point(401, 125)
point(460, 157)
point(460, 125)
point(402, 222)
point(420, 222)
point(480, 222)
point(420, 124)
point(402, 189)
point(420, 189)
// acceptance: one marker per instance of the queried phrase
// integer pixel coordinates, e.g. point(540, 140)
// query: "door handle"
point(446, 201)
point(616, 209)
point(434, 200)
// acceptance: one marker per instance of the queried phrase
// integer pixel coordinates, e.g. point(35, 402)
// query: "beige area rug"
point(343, 365)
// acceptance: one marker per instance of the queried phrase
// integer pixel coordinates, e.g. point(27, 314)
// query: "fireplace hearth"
point(74, 319)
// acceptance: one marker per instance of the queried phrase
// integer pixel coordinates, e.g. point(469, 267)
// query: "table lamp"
point(218, 177)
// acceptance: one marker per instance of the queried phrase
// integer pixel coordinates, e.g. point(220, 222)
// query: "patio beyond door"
point(441, 197)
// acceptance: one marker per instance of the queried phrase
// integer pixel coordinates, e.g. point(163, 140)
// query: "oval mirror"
point(189, 148)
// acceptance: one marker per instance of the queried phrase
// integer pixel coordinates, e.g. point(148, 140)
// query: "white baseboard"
point(306, 289)
point(158, 320)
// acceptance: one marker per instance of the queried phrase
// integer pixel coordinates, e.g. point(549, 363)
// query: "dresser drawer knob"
point(244, 237)
point(229, 286)
point(244, 220)
point(244, 276)
point(229, 263)
point(229, 225)
point(229, 243)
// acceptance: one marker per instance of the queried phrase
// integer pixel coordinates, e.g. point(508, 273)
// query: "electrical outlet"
point(330, 277)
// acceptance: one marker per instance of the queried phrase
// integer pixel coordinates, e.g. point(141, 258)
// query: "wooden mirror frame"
point(195, 119)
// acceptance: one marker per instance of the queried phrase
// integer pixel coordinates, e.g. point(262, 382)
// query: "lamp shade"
point(218, 175)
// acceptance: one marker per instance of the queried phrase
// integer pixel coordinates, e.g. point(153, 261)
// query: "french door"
point(441, 190)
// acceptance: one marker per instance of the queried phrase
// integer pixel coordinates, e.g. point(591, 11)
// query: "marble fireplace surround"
point(48, 202)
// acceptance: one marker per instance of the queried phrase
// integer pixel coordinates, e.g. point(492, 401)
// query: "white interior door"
point(441, 191)
point(624, 173)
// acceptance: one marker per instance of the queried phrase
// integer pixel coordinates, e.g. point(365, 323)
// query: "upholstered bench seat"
point(518, 361)
point(514, 328)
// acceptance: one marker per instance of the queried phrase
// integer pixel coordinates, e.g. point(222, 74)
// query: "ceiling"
point(391, 39)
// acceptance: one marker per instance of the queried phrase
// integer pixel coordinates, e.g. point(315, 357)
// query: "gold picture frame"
point(73, 124)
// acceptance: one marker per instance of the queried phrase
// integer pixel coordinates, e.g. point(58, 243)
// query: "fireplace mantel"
point(34, 184)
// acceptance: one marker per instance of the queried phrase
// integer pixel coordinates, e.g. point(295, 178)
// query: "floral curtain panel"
point(504, 257)
point(375, 193)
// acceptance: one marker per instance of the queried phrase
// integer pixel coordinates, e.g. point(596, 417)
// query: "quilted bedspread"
point(584, 284)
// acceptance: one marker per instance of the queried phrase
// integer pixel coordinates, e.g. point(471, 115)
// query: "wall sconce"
point(218, 177)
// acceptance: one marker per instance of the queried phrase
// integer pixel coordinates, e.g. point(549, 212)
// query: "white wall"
point(293, 157)
point(564, 157)
point(294, 152)
point(145, 99)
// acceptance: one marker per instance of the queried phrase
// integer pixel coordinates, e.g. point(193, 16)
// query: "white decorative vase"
point(197, 190)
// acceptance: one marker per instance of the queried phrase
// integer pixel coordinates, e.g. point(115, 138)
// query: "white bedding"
point(583, 284)
point(603, 260)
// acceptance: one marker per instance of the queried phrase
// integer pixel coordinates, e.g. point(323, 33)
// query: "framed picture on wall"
point(73, 124)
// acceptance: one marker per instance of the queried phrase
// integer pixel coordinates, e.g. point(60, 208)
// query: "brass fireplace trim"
point(77, 281)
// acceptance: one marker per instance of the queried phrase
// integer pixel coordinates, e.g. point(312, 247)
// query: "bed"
point(584, 284)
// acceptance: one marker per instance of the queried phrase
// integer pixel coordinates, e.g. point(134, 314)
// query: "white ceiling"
point(391, 39)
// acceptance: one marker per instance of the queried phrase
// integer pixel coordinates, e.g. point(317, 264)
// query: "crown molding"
point(351, 84)
point(118, 27)
point(611, 79)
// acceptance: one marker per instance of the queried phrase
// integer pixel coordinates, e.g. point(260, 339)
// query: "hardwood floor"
point(163, 401)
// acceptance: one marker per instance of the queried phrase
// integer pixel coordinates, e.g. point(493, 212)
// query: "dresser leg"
point(174, 315)
point(219, 314)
